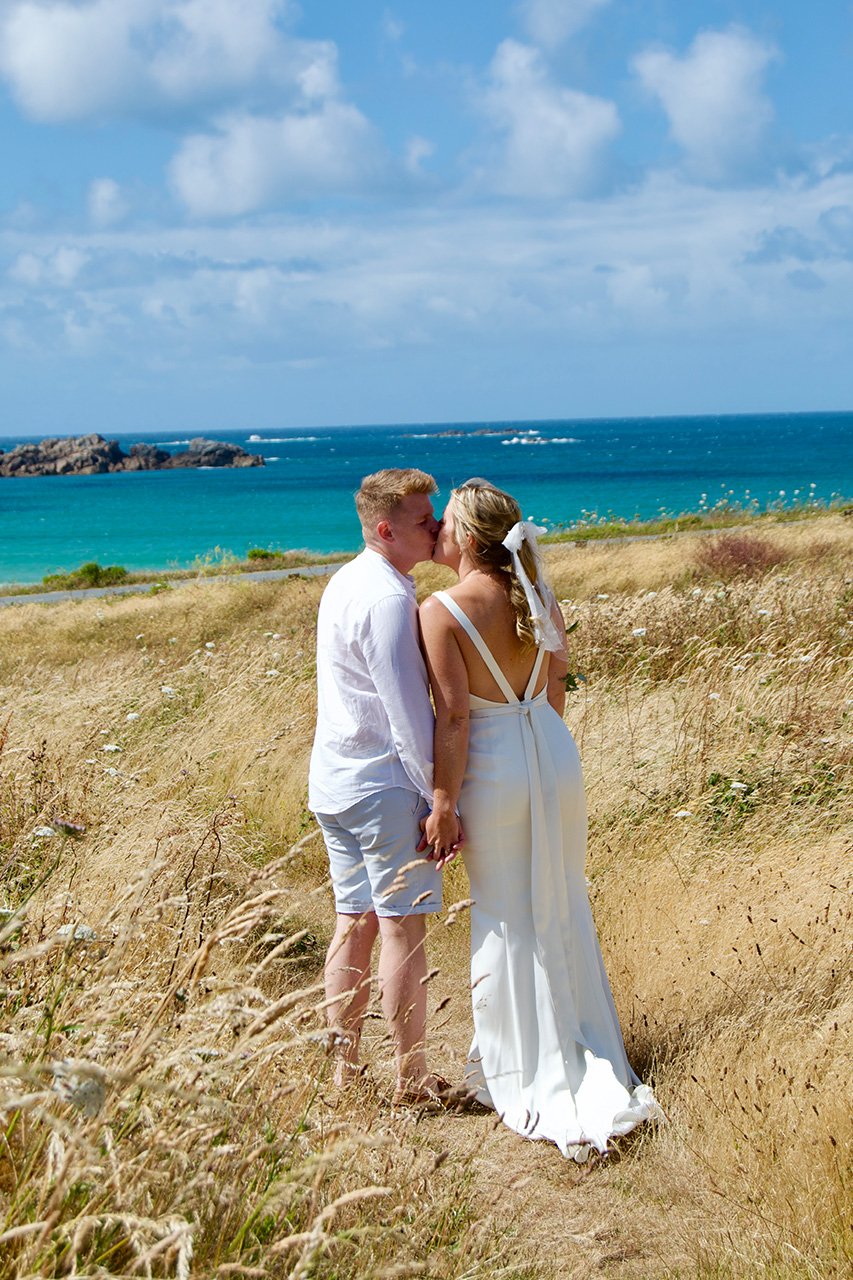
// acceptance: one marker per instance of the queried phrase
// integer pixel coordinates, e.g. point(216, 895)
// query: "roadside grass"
point(216, 563)
point(165, 1100)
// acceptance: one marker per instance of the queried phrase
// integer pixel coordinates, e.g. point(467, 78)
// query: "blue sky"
point(220, 213)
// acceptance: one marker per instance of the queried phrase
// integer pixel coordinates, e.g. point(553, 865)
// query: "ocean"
point(302, 498)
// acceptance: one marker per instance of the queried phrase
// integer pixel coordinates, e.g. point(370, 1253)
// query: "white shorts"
point(373, 856)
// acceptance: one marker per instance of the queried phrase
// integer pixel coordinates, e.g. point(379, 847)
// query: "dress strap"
point(481, 646)
point(534, 675)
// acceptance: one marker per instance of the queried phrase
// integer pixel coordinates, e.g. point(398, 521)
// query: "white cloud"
point(252, 161)
point(553, 138)
point(713, 97)
point(550, 22)
point(66, 61)
point(106, 203)
point(417, 149)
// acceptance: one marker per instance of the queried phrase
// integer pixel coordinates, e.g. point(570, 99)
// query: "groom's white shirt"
point(374, 718)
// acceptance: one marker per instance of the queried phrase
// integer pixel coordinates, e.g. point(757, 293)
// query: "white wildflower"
point(739, 786)
point(638, 631)
point(714, 696)
point(602, 595)
point(272, 672)
point(210, 645)
point(167, 691)
point(43, 833)
point(132, 715)
point(111, 746)
point(684, 813)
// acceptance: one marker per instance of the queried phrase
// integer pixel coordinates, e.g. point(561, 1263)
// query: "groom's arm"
point(396, 666)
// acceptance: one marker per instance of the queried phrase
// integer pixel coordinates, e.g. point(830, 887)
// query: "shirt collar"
point(389, 567)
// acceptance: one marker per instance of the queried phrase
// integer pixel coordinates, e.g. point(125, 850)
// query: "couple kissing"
point(401, 783)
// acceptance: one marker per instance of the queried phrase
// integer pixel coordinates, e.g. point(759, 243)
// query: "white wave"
point(163, 443)
point(273, 459)
point(281, 439)
point(541, 440)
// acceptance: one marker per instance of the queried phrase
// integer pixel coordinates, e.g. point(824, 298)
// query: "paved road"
point(141, 588)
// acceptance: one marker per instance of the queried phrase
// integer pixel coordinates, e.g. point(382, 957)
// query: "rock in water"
point(91, 455)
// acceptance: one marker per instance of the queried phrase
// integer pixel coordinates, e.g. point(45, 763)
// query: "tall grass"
point(164, 1077)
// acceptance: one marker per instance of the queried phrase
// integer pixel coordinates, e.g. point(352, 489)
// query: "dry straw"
point(164, 1079)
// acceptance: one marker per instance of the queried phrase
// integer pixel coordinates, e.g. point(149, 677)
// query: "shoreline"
point(596, 532)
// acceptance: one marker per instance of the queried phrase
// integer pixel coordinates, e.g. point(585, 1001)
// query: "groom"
point(370, 777)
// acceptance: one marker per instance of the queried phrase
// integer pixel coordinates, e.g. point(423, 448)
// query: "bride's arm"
point(558, 664)
point(449, 680)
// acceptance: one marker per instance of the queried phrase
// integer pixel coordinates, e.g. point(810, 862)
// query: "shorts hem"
point(422, 909)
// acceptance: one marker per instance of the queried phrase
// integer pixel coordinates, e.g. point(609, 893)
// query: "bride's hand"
point(442, 837)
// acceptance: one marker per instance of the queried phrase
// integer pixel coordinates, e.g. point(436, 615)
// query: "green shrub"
point(91, 574)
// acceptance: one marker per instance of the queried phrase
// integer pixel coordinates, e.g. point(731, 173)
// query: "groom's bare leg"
point(402, 968)
point(348, 985)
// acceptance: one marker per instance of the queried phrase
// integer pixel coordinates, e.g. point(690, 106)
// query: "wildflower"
point(85, 1091)
point(684, 813)
point(714, 696)
point(167, 691)
point(210, 645)
point(272, 672)
point(697, 591)
point(73, 829)
point(43, 833)
point(764, 613)
point(602, 595)
point(132, 715)
point(110, 746)
point(739, 786)
point(638, 631)
point(141, 635)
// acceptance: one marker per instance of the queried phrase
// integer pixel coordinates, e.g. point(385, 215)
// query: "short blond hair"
point(381, 493)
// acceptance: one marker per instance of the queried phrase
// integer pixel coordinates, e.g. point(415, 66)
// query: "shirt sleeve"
point(392, 652)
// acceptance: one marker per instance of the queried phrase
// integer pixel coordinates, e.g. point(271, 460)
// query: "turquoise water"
point(303, 496)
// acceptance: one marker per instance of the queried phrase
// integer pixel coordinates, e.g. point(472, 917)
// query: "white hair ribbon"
point(546, 633)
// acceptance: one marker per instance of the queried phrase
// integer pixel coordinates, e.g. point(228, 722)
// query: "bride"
point(547, 1052)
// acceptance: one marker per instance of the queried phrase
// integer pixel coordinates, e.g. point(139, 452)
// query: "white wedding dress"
point(548, 1053)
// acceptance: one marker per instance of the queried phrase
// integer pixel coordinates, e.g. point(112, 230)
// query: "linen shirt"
point(375, 721)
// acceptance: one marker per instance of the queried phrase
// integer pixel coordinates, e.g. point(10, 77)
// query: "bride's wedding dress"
point(547, 1052)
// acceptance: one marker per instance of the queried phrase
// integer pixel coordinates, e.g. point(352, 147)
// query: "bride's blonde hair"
point(486, 515)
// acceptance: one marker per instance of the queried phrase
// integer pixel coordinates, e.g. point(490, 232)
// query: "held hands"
point(442, 837)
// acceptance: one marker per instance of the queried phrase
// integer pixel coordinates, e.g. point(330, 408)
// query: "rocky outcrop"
point(92, 455)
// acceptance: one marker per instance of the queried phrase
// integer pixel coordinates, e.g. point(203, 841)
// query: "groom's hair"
point(381, 494)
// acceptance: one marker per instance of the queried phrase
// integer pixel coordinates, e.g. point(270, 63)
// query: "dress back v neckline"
point(487, 655)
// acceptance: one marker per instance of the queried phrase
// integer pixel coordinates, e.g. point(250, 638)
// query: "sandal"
point(440, 1096)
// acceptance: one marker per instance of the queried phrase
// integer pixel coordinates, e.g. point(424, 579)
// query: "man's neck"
point(405, 570)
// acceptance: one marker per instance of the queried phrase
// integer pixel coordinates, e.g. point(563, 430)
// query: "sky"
point(253, 213)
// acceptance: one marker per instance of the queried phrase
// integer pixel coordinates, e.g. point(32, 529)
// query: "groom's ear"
point(384, 531)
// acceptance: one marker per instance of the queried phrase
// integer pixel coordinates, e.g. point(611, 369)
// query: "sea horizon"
point(562, 470)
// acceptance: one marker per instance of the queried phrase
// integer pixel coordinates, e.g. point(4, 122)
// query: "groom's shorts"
point(373, 859)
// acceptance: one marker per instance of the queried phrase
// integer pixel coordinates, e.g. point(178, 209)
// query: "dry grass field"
point(166, 1106)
